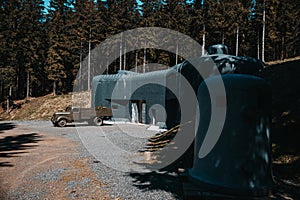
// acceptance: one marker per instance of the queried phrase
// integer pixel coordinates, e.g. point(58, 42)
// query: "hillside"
point(37, 108)
point(42, 108)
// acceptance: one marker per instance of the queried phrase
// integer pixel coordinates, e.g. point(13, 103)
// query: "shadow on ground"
point(158, 181)
point(11, 146)
point(167, 178)
point(6, 126)
point(286, 156)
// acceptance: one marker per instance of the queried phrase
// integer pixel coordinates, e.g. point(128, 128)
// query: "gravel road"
point(39, 161)
point(109, 154)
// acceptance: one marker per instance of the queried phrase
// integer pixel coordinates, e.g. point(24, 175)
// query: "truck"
point(94, 116)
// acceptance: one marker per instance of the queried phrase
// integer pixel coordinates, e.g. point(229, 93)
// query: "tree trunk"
point(263, 33)
point(121, 49)
point(1, 90)
point(80, 78)
point(107, 65)
point(282, 48)
point(237, 41)
point(144, 62)
point(258, 49)
point(18, 84)
point(223, 36)
point(54, 88)
point(89, 64)
point(176, 60)
point(136, 61)
point(7, 105)
point(80, 69)
point(124, 57)
point(203, 40)
point(27, 85)
point(9, 99)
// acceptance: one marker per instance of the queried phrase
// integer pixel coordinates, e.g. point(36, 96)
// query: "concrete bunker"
point(146, 97)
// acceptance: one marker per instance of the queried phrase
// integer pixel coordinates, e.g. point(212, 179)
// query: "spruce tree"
point(59, 51)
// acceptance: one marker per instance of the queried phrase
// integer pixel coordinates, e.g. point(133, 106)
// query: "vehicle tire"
point(62, 123)
point(98, 121)
point(90, 122)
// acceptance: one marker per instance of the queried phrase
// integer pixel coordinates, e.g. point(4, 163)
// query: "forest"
point(42, 47)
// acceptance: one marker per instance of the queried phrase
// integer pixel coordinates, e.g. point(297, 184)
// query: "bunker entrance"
point(138, 111)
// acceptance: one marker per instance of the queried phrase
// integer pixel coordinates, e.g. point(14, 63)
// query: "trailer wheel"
point(98, 121)
point(62, 123)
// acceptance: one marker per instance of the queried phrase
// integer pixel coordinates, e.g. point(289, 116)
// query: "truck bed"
point(87, 113)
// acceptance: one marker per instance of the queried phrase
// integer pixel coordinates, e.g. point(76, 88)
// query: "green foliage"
point(21, 40)
point(50, 46)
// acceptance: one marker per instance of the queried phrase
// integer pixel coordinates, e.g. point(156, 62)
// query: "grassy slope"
point(38, 108)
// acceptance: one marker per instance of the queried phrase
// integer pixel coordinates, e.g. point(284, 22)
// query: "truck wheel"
point(98, 121)
point(62, 123)
point(90, 122)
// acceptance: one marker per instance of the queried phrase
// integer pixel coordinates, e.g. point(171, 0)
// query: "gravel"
point(52, 175)
point(113, 151)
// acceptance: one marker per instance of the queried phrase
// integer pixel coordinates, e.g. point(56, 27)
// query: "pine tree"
point(21, 39)
point(32, 37)
point(10, 12)
point(286, 25)
point(58, 54)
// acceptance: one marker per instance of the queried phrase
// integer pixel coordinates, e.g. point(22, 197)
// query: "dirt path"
point(38, 166)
